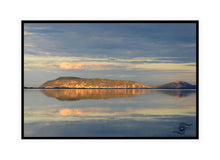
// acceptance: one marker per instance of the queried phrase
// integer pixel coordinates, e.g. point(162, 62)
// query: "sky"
point(147, 53)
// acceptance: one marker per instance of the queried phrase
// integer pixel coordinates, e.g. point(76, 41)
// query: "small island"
point(98, 83)
point(176, 85)
point(89, 83)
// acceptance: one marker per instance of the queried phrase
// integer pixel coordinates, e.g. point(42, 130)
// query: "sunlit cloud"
point(163, 66)
point(85, 66)
point(95, 64)
point(67, 65)
point(28, 33)
point(67, 112)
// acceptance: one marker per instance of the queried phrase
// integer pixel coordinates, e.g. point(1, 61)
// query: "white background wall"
point(12, 12)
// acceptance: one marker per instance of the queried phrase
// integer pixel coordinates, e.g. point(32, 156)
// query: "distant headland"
point(97, 83)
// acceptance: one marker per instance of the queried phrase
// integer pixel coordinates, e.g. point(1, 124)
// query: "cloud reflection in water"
point(109, 112)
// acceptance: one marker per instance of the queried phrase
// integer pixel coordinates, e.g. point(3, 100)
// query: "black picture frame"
point(109, 21)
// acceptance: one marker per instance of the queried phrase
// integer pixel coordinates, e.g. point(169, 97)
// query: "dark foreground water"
point(109, 113)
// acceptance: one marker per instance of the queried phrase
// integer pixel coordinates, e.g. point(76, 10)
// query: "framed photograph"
point(110, 79)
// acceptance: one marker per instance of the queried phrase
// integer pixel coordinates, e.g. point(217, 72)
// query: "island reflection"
point(179, 93)
point(152, 112)
point(77, 94)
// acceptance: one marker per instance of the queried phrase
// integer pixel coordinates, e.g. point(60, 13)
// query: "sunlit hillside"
point(76, 82)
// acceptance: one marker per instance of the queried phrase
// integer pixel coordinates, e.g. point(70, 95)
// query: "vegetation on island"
point(76, 82)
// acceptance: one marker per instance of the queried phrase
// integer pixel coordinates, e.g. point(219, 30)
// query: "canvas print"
point(109, 79)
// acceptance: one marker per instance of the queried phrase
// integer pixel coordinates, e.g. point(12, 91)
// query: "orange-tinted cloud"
point(67, 65)
point(80, 65)
point(27, 33)
point(67, 112)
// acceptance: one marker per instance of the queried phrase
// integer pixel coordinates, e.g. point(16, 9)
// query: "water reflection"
point(83, 111)
point(178, 92)
point(109, 112)
point(105, 110)
point(77, 94)
point(110, 128)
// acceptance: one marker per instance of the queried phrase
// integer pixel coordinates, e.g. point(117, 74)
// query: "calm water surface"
point(109, 113)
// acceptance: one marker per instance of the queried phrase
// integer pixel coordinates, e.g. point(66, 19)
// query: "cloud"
point(126, 66)
point(67, 112)
point(112, 40)
point(96, 66)
point(67, 65)
point(188, 45)
point(56, 63)
point(28, 45)
point(86, 66)
point(28, 33)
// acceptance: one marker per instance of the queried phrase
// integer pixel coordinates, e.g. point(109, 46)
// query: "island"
point(89, 83)
point(98, 83)
point(176, 85)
